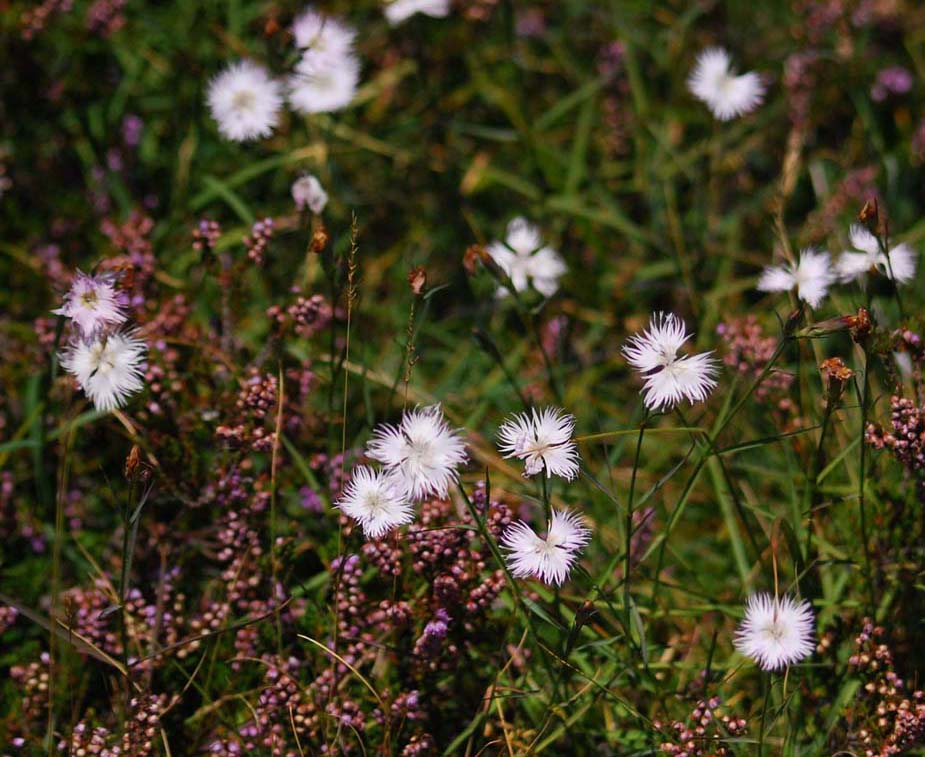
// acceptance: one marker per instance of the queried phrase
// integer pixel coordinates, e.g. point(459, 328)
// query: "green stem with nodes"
point(707, 451)
point(764, 713)
point(883, 243)
point(512, 582)
point(628, 533)
point(862, 500)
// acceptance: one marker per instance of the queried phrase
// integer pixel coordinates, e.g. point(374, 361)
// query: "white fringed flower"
point(669, 377)
point(422, 451)
point(375, 500)
point(322, 86)
point(92, 303)
point(525, 259)
point(541, 440)
point(325, 40)
point(549, 559)
point(725, 94)
point(811, 277)
point(307, 192)
point(867, 256)
point(108, 368)
point(397, 11)
point(245, 101)
point(776, 632)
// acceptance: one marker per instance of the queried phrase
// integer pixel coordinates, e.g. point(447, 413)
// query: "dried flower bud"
point(861, 325)
point(132, 461)
point(473, 254)
point(870, 215)
point(838, 375)
point(271, 27)
point(319, 239)
point(417, 279)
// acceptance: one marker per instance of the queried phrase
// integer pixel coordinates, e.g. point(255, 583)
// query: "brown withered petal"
point(417, 279)
point(319, 239)
point(870, 214)
point(474, 253)
point(835, 369)
point(860, 324)
point(132, 461)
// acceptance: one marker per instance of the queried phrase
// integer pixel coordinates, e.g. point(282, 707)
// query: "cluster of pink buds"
point(703, 734)
point(259, 239)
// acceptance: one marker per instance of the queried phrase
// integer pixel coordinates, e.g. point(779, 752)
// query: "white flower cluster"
point(420, 457)
point(814, 272)
point(246, 100)
point(106, 360)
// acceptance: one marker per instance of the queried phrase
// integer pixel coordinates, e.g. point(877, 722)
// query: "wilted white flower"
point(541, 440)
point(525, 259)
point(245, 101)
point(669, 377)
point(899, 265)
point(321, 86)
point(397, 11)
point(422, 451)
point(376, 501)
point(776, 632)
point(307, 192)
point(811, 277)
point(325, 40)
point(549, 559)
point(108, 368)
point(92, 303)
point(725, 94)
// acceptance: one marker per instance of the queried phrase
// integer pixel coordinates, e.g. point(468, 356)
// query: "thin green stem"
point(628, 533)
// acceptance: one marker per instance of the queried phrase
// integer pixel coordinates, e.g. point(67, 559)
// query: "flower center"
point(243, 100)
point(89, 299)
point(774, 631)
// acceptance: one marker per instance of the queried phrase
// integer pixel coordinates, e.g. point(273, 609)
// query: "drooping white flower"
point(324, 40)
point(548, 558)
point(397, 11)
point(307, 192)
point(776, 632)
point(92, 303)
point(422, 451)
point(245, 101)
point(108, 368)
point(376, 501)
point(725, 94)
point(669, 377)
point(812, 276)
point(525, 259)
point(541, 440)
point(322, 86)
point(867, 256)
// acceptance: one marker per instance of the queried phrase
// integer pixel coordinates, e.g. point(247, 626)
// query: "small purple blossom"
point(895, 80)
